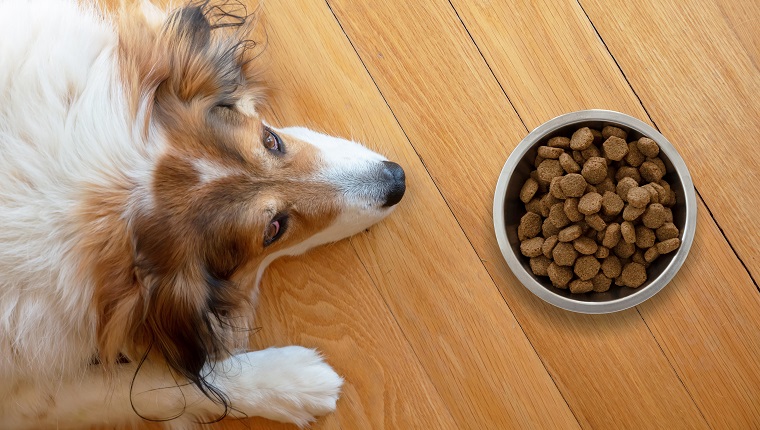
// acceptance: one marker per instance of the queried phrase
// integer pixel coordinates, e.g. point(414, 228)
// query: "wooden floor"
point(421, 315)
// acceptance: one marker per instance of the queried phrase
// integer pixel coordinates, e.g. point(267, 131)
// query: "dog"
point(142, 195)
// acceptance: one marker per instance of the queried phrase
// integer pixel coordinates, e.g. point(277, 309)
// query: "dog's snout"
point(394, 174)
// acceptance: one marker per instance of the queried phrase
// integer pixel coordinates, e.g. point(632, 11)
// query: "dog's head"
point(226, 192)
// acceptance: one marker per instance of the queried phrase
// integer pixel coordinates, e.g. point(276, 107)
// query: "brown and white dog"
point(141, 198)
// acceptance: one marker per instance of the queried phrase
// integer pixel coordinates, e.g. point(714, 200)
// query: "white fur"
point(64, 126)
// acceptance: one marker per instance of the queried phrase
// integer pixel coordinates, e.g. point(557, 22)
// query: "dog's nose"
point(394, 174)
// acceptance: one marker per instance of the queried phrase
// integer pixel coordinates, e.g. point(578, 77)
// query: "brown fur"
point(173, 276)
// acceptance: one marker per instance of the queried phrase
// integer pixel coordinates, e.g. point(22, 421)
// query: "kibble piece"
point(611, 267)
point(634, 157)
point(548, 229)
point(578, 157)
point(654, 197)
point(564, 254)
point(547, 201)
point(624, 249)
point(573, 185)
point(585, 245)
point(537, 162)
point(662, 193)
point(651, 254)
point(596, 222)
point(634, 275)
point(648, 147)
point(571, 233)
point(581, 139)
point(555, 189)
point(571, 210)
point(644, 237)
point(579, 287)
point(624, 186)
point(667, 231)
point(611, 130)
point(668, 246)
point(638, 257)
point(591, 151)
point(549, 152)
point(539, 265)
point(586, 267)
point(612, 235)
point(628, 231)
point(638, 197)
point(601, 283)
point(651, 171)
point(615, 148)
point(548, 245)
point(548, 169)
point(557, 216)
point(560, 275)
point(654, 217)
point(590, 203)
point(594, 170)
point(531, 247)
point(597, 136)
point(602, 252)
point(612, 204)
point(534, 206)
point(631, 213)
point(568, 164)
point(607, 185)
point(528, 190)
point(628, 172)
point(559, 142)
point(530, 226)
point(658, 161)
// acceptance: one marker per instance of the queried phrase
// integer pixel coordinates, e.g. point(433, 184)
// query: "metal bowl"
point(508, 209)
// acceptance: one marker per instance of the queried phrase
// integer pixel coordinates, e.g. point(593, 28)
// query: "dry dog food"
point(597, 210)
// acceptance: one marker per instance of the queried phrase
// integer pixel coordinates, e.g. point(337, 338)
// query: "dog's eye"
point(275, 229)
point(272, 141)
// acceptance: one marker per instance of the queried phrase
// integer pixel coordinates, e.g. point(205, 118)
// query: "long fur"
point(139, 192)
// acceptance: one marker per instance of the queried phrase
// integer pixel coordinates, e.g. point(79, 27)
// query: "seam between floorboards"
point(452, 213)
point(525, 127)
point(649, 116)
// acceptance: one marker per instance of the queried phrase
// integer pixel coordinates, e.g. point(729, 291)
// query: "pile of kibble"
point(597, 213)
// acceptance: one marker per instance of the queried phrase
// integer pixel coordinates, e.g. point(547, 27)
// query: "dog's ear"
point(210, 47)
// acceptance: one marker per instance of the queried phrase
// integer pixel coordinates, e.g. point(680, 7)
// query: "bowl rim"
point(500, 227)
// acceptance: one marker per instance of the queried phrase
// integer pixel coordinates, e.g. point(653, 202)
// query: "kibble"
point(598, 211)
point(634, 275)
point(548, 246)
point(581, 139)
point(550, 152)
point(586, 267)
point(568, 164)
point(571, 233)
point(594, 170)
point(532, 247)
point(648, 147)
point(585, 245)
point(564, 254)
point(590, 203)
point(615, 148)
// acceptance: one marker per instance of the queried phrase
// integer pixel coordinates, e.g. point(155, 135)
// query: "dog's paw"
point(291, 384)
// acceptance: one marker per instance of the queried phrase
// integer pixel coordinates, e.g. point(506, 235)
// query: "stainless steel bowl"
point(508, 209)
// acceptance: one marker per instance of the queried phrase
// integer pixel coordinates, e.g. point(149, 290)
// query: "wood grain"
point(694, 65)
point(463, 128)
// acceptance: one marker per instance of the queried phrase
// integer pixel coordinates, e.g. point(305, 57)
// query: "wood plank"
point(697, 73)
point(453, 111)
point(422, 263)
point(550, 61)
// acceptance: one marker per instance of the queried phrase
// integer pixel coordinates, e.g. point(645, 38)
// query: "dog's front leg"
point(291, 384)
